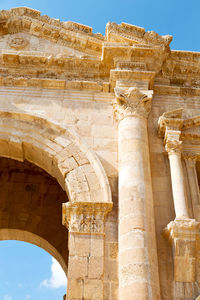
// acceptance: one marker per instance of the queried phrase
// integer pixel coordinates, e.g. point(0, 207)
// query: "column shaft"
point(178, 187)
point(138, 272)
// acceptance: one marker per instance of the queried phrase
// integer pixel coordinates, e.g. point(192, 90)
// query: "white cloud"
point(58, 277)
point(27, 297)
point(6, 297)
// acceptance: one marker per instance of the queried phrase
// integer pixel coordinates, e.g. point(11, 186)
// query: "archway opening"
point(29, 272)
point(31, 208)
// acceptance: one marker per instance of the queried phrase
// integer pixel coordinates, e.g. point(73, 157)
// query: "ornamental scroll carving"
point(85, 217)
point(173, 146)
point(18, 42)
point(170, 125)
point(131, 102)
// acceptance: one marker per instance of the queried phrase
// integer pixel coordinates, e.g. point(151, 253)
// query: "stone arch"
point(59, 151)
point(29, 237)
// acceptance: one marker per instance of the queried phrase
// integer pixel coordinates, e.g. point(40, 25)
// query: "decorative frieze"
point(53, 83)
point(85, 217)
point(67, 33)
point(18, 42)
point(131, 102)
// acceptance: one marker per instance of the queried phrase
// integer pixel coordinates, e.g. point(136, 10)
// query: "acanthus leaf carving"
point(85, 217)
point(170, 119)
point(131, 102)
point(173, 146)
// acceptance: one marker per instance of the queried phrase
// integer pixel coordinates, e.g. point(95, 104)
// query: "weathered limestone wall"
point(162, 193)
point(60, 87)
point(90, 115)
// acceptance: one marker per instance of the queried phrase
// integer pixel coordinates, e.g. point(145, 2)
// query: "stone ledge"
point(54, 84)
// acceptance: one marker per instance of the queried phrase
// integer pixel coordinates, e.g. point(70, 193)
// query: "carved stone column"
point(85, 222)
point(182, 232)
point(138, 270)
point(173, 146)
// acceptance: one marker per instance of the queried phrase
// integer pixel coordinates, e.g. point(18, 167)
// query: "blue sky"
point(26, 271)
point(29, 273)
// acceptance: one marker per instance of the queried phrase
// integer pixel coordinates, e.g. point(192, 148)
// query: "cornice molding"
point(124, 47)
point(182, 228)
point(176, 131)
point(171, 119)
point(24, 19)
point(135, 35)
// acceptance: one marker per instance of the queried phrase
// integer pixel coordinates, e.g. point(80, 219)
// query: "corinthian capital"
point(172, 141)
point(131, 102)
point(173, 146)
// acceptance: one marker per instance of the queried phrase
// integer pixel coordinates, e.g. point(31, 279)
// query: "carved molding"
point(127, 32)
point(190, 158)
point(172, 141)
point(183, 234)
point(171, 120)
point(68, 33)
point(131, 102)
point(172, 126)
point(48, 83)
point(85, 217)
point(18, 42)
point(182, 227)
point(173, 146)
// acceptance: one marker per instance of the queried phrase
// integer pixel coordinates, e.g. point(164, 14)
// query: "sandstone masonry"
point(100, 144)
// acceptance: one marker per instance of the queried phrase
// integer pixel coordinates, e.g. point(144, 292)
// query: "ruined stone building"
point(100, 155)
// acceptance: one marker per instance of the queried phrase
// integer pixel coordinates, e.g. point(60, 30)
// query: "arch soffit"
point(59, 151)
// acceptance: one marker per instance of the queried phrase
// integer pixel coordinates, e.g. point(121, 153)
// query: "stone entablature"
point(94, 56)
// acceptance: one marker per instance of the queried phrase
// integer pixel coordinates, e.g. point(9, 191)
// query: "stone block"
point(93, 289)
point(78, 267)
point(79, 244)
point(95, 267)
point(97, 245)
point(75, 289)
point(184, 269)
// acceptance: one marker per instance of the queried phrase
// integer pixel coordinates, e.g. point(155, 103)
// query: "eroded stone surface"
point(102, 114)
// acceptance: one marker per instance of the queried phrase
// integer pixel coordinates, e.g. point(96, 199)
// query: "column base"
point(182, 234)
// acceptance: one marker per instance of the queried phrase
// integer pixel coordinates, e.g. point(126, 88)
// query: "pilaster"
point(85, 222)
